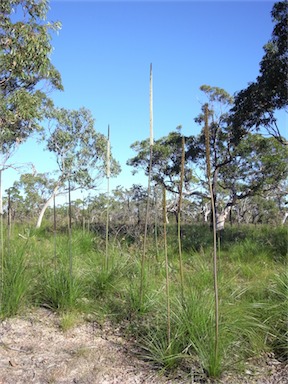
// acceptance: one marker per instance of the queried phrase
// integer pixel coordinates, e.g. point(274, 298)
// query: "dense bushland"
point(36, 270)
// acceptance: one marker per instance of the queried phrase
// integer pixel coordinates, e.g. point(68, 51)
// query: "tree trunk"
point(45, 206)
point(221, 218)
point(284, 218)
point(206, 212)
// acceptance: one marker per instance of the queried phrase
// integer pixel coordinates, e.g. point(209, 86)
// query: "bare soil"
point(35, 349)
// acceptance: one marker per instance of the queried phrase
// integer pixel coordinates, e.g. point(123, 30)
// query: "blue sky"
point(104, 51)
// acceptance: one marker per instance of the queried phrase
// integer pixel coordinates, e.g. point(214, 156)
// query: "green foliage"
point(196, 321)
point(216, 94)
point(59, 290)
point(258, 166)
point(255, 106)
point(277, 311)
point(252, 292)
point(240, 167)
point(25, 51)
point(80, 151)
point(195, 238)
point(31, 192)
point(250, 241)
point(166, 160)
point(16, 283)
point(276, 242)
point(102, 282)
point(156, 349)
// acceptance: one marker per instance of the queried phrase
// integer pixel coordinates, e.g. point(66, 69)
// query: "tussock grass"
point(253, 291)
point(276, 315)
point(59, 291)
point(15, 287)
point(69, 320)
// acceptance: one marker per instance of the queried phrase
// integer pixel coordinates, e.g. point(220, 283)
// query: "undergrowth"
point(252, 291)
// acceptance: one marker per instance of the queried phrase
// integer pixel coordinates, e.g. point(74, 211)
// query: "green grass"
point(252, 291)
point(277, 314)
point(59, 291)
point(15, 283)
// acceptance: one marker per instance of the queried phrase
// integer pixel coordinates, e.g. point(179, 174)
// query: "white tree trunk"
point(206, 211)
point(45, 206)
point(284, 218)
point(221, 218)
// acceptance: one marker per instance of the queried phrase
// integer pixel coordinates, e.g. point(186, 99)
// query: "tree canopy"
point(255, 106)
point(241, 167)
point(80, 151)
point(26, 71)
point(166, 160)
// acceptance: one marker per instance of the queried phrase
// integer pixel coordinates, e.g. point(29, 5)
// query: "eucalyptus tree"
point(259, 168)
point(262, 210)
point(26, 73)
point(222, 144)
point(240, 166)
point(166, 164)
point(97, 208)
point(14, 204)
point(79, 150)
point(139, 197)
point(267, 208)
point(255, 105)
point(128, 205)
point(123, 210)
point(32, 191)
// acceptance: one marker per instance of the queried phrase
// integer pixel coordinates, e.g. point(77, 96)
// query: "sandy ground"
point(34, 349)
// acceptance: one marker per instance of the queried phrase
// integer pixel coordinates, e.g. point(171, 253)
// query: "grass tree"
point(215, 271)
point(151, 144)
point(108, 197)
point(166, 271)
point(179, 217)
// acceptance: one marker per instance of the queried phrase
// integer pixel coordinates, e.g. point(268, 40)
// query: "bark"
point(221, 218)
point(206, 210)
point(45, 206)
point(284, 218)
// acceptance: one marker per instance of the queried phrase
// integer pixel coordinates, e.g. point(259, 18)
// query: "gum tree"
point(34, 190)
point(26, 71)
point(241, 167)
point(222, 143)
point(79, 150)
point(166, 160)
point(26, 75)
point(259, 166)
point(255, 106)
point(166, 164)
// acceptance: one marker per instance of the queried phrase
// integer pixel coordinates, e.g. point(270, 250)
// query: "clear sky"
point(104, 51)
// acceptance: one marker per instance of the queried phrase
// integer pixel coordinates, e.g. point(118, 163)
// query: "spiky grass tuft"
point(16, 283)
